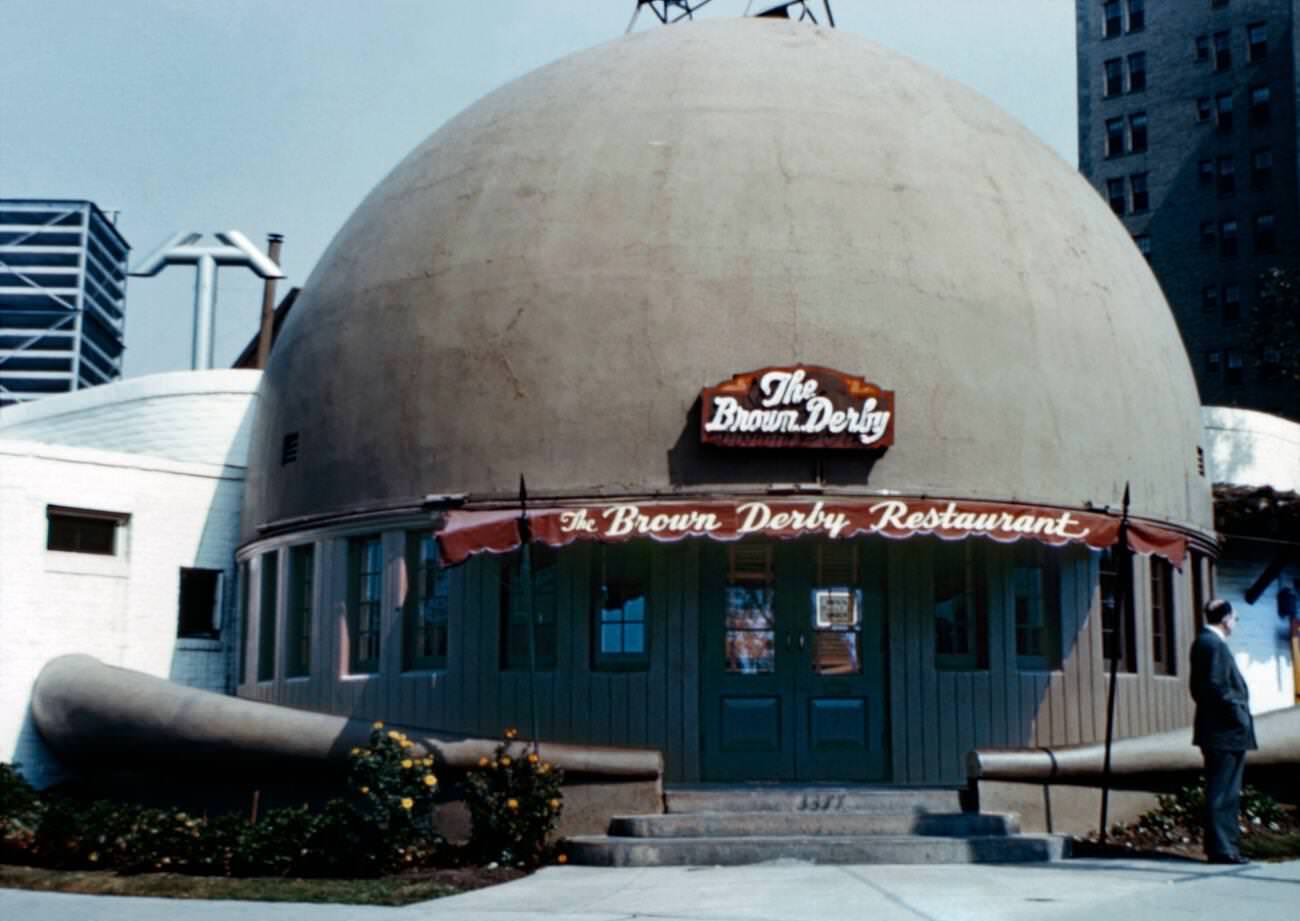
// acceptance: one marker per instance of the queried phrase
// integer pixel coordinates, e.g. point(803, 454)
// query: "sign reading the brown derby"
point(798, 407)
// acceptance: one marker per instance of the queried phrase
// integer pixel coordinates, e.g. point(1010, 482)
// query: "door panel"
point(792, 676)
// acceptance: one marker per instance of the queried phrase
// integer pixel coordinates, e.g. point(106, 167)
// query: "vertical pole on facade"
point(1125, 567)
point(205, 295)
point(273, 243)
point(526, 577)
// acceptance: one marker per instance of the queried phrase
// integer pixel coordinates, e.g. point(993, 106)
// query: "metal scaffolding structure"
point(62, 298)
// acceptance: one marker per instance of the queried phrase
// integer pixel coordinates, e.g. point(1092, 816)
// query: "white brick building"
point(110, 499)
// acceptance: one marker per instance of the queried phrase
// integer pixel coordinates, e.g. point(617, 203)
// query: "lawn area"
point(392, 890)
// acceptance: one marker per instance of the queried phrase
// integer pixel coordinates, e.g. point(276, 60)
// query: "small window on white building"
point(75, 530)
point(200, 590)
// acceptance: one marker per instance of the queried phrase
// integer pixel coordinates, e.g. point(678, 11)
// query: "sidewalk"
point(1077, 889)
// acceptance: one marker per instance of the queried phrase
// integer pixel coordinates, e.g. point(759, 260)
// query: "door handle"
point(787, 641)
point(801, 642)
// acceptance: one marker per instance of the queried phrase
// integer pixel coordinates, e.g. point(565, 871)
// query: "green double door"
point(792, 674)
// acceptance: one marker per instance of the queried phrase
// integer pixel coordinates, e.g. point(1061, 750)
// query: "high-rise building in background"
point(62, 298)
point(1187, 126)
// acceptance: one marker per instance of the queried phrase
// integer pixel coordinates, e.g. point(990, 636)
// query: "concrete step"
point(800, 798)
point(747, 824)
point(613, 851)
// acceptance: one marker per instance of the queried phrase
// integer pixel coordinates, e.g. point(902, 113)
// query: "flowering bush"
point(514, 802)
point(1181, 815)
point(382, 824)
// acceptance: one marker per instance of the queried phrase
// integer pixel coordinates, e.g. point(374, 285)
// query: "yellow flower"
point(379, 724)
point(406, 762)
point(483, 762)
point(430, 780)
point(544, 769)
point(406, 743)
point(505, 761)
point(407, 802)
point(394, 735)
point(365, 791)
point(355, 750)
point(563, 858)
point(94, 856)
point(511, 732)
point(532, 758)
point(512, 804)
point(555, 804)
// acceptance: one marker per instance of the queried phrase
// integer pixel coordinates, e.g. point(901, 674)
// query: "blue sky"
point(280, 116)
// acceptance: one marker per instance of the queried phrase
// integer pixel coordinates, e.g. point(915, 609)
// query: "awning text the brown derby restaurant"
point(467, 531)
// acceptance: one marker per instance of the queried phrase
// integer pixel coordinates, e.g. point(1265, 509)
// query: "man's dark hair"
point(1217, 610)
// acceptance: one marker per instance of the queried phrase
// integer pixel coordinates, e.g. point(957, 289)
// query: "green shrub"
point(514, 802)
point(20, 814)
point(1182, 814)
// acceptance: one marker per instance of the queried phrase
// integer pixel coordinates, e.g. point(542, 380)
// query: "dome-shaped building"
point(826, 379)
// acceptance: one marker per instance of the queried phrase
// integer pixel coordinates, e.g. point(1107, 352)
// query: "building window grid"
point(1137, 72)
point(301, 614)
point(1231, 303)
point(1265, 233)
point(365, 607)
point(1137, 131)
point(1223, 112)
point(1261, 167)
point(197, 616)
point(1235, 370)
point(1112, 14)
point(1226, 175)
point(1137, 16)
point(1036, 596)
point(1228, 238)
point(1113, 83)
point(428, 605)
point(621, 600)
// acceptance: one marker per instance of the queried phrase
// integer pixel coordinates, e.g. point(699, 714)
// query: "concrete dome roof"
point(546, 283)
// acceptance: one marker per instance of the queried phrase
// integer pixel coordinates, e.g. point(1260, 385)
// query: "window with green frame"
point(960, 607)
point(425, 617)
point(365, 603)
point(266, 621)
point(301, 614)
point(620, 580)
point(542, 589)
point(1036, 598)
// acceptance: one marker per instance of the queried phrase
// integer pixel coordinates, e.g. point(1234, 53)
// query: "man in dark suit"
point(1223, 729)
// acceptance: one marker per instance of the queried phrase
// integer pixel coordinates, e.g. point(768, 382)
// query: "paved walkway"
point(1077, 889)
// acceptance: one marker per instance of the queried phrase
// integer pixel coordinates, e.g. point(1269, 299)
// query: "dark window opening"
point(1118, 633)
point(1223, 106)
point(365, 603)
point(1257, 42)
point(960, 607)
point(1209, 298)
point(1260, 106)
point(1261, 167)
point(198, 618)
point(1204, 109)
point(1209, 233)
point(1236, 373)
point(1115, 195)
point(1138, 188)
point(1227, 176)
point(428, 605)
point(1228, 238)
point(83, 530)
point(266, 616)
point(1114, 82)
point(1202, 47)
point(301, 612)
point(1137, 17)
point(1137, 130)
point(1214, 361)
point(1112, 19)
point(521, 619)
point(1137, 72)
point(1222, 51)
point(1162, 617)
point(1114, 137)
point(1205, 172)
point(1231, 303)
point(1265, 233)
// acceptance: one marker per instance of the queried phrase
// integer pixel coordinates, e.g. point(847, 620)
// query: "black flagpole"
point(526, 539)
point(1125, 566)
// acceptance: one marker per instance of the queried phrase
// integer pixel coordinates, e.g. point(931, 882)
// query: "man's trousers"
point(1223, 771)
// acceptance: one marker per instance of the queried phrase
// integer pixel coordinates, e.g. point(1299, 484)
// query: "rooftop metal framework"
point(62, 298)
point(670, 11)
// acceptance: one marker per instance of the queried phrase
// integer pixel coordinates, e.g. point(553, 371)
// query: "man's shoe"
point(1232, 859)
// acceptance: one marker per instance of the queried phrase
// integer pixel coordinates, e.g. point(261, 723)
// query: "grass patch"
point(392, 890)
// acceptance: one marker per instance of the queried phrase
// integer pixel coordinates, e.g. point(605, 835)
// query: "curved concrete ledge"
point(85, 708)
point(1278, 733)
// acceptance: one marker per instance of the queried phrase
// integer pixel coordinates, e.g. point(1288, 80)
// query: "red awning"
point(468, 532)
